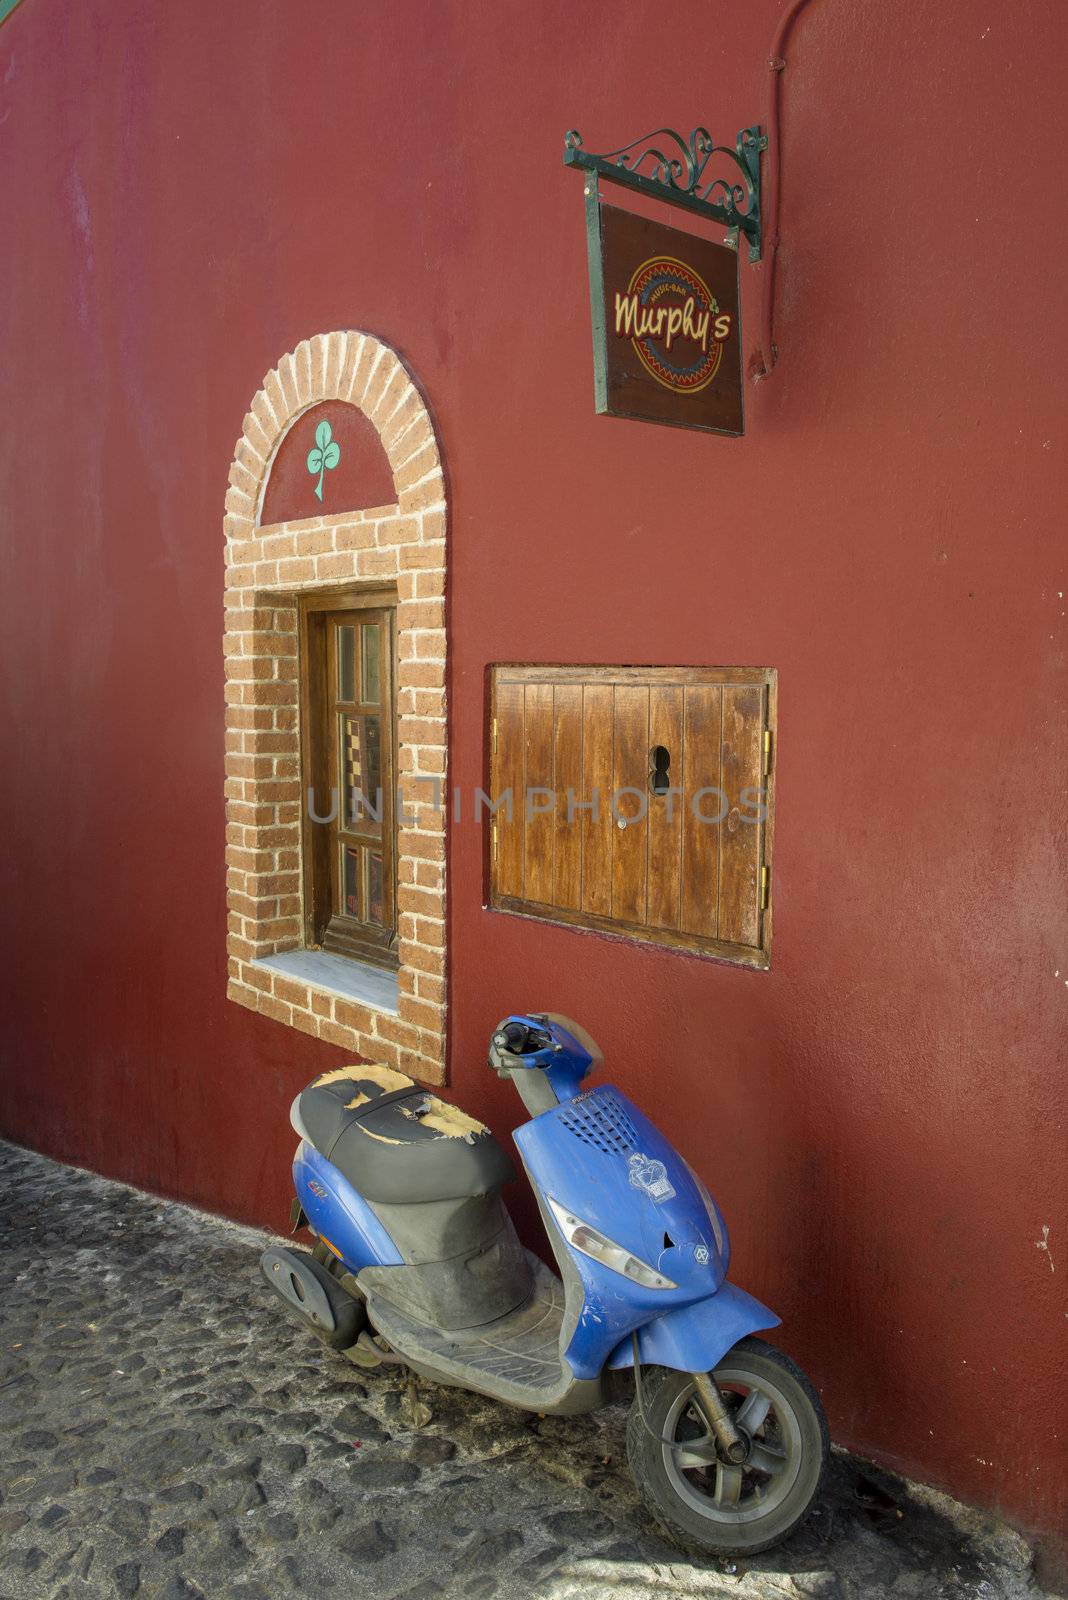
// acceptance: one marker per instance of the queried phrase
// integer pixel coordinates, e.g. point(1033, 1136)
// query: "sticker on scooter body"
point(651, 1176)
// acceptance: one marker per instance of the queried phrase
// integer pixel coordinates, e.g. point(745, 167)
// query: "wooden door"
point(350, 851)
point(640, 802)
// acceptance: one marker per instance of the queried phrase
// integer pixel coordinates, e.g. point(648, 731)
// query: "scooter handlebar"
point(512, 1037)
point(516, 1039)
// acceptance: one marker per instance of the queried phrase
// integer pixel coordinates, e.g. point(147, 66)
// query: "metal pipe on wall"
point(765, 355)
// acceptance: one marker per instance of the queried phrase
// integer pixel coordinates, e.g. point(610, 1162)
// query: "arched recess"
point(268, 567)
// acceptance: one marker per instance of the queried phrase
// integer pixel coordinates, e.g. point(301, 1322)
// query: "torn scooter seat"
point(398, 1143)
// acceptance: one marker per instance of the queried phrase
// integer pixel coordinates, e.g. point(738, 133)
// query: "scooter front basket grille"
point(600, 1118)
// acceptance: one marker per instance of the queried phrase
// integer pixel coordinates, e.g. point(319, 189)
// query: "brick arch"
point(268, 567)
point(362, 371)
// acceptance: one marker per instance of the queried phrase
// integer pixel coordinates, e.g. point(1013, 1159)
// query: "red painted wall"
point(187, 193)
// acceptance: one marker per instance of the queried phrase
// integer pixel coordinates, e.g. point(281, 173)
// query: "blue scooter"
point(417, 1261)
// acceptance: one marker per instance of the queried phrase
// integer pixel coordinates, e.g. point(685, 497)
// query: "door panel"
point(595, 821)
point(567, 782)
point(506, 790)
point(360, 759)
point(743, 726)
point(538, 776)
point(631, 788)
point(666, 809)
point(701, 808)
point(667, 752)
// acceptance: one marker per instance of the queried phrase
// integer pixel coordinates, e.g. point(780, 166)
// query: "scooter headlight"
point(589, 1241)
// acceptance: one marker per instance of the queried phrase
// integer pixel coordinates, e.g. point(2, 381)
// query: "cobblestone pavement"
point(165, 1432)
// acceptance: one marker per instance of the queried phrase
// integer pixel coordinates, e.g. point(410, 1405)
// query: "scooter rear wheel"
point(709, 1505)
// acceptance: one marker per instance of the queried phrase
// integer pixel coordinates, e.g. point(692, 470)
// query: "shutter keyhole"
point(660, 757)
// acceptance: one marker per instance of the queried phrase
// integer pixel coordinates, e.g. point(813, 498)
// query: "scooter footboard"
point(693, 1338)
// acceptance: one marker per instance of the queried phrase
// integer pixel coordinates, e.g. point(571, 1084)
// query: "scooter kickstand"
point(367, 1352)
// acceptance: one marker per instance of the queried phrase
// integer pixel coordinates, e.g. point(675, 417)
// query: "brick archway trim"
point(267, 568)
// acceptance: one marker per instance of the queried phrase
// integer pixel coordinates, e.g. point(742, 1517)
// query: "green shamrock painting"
point(325, 456)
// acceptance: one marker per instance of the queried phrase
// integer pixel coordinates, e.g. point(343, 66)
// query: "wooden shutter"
point(688, 868)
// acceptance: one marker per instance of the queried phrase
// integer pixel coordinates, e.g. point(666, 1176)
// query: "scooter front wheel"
point(706, 1503)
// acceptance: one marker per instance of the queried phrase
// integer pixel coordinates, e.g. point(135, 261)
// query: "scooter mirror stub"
point(578, 1034)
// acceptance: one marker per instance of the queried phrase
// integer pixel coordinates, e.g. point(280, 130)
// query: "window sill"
point(340, 976)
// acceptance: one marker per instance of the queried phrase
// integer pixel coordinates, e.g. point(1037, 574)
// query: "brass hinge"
point(767, 751)
point(493, 839)
point(495, 733)
point(765, 887)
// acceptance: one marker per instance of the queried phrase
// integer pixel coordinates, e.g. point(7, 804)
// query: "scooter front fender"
point(693, 1338)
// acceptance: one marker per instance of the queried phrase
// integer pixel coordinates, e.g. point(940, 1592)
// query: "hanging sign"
point(666, 334)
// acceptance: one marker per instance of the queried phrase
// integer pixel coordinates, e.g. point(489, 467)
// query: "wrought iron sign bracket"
point(679, 180)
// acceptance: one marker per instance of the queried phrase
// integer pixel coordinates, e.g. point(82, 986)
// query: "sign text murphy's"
point(667, 341)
